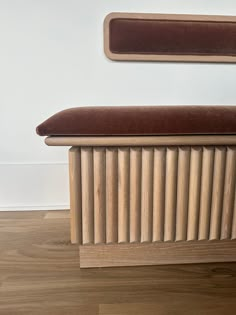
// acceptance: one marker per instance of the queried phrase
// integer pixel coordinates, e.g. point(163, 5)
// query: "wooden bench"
point(150, 185)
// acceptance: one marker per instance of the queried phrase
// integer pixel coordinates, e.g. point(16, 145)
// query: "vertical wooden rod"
point(217, 193)
point(123, 195)
point(75, 195)
point(111, 195)
point(159, 194)
point(170, 193)
point(99, 195)
point(229, 193)
point(182, 193)
point(87, 195)
point(233, 235)
point(147, 194)
point(206, 192)
point(135, 194)
point(194, 193)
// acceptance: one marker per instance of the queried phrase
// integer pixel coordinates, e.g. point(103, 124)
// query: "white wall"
point(51, 58)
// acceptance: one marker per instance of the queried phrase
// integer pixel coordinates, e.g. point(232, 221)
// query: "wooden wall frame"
point(165, 57)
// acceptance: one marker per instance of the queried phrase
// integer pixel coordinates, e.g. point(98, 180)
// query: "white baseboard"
point(34, 187)
point(36, 208)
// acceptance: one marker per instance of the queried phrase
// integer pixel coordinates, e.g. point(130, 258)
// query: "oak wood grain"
point(206, 192)
point(75, 195)
point(146, 195)
point(135, 196)
point(159, 253)
point(182, 193)
point(87, 178)
point(39, 274)
point(194, 193)
point(159, 194)
point(194, 306)
point(170, 195)
point(217, 192)
point(229, 193)
point(141, 140)
point(111, 195)
point(123, 194)
point(99, 160)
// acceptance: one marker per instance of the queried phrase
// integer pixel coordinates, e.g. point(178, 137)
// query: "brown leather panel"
point(141, 120)
point(172, 37)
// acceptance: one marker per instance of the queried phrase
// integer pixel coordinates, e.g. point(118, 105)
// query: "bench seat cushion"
point(141, 120)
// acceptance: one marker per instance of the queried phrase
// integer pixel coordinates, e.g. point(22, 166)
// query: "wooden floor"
point(39, 274)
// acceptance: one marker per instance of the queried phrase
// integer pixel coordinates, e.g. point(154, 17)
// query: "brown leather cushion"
point(141, 120)
point(172, 37)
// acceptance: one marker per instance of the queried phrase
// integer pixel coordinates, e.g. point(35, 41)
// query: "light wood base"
point(170, 200)
point(160, 253)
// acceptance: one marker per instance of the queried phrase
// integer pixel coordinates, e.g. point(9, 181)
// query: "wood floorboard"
point(39, 274)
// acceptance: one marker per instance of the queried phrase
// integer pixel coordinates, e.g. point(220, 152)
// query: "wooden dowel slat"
point(87, 195)
point(217, 193)
point(152, 194)
point(229, 192)
point(194, 193)
point(75, 195)
point(99, 195)
point(123, 195)
point(182, 193)
point(111, 195)
point(170, 193)
point(159, 194)
point(206, 192)
point(135, 195)
point(147, 195)
point(233, 236)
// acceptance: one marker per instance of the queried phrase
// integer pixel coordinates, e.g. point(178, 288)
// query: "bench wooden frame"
point(152, 199)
